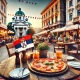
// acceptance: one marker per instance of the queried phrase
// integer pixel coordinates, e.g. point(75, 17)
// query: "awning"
point(72, 27)
point(67, 28)
point(55, 30)
point(3, 26)
point(41, 32)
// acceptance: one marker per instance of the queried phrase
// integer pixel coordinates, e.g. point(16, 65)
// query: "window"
point(16, 17)
point(52, 20)
point(19, 18)
point(4, 10)
point(46, 14)
point(70, 3)
point(56, 18)
point(70, 16)
point(56, 7)
point(1, 7)
point(2, 19)
point(78, 12)
point(49, 12)
point(16, 28)
point(49, 22)
point(52, 9)
point(78, 0)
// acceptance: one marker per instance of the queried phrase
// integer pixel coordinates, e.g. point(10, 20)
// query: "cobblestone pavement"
point(3, 53)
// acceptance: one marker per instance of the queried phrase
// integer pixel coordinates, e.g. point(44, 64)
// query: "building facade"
point(72, 12)
point(54, 15)
point(20, 23)
point(3, 14)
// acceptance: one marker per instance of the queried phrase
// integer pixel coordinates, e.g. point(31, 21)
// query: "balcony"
point(76, 19)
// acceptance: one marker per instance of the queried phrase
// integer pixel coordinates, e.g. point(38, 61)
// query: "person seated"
point(60, 39)
point(71, 38)
point(72, 46)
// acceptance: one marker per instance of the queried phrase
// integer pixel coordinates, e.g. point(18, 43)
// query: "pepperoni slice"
point(48, 69)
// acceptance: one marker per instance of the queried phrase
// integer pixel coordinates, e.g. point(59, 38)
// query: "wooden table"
point(65, 44)
point(9, 64)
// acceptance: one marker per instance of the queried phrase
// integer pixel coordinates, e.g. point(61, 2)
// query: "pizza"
point(48, 65)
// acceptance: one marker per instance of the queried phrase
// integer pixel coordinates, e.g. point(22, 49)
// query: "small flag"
point(23, 43)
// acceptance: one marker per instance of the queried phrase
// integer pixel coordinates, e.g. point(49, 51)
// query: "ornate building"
point(72, 12)
point(54, 15)
point(73, 15)
point(20, 23)
point(3, 9)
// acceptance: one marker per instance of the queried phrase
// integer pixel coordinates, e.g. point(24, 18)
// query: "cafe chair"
point(77, 51)
point(10, 49)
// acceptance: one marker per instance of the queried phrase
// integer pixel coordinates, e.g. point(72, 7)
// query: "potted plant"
point(43, 49)
point(66, 39)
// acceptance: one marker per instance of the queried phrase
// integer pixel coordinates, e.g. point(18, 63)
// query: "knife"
point(23, 70)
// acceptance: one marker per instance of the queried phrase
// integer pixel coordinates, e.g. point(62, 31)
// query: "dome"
point(19, 13)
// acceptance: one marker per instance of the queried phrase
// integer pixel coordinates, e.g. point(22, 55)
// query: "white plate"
point(70, 57)
point(17, 73)
point(74, 64)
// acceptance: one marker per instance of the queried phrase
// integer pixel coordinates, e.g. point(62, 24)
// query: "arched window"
point(20, 18)
point(16, 17)
point(16, 28)
point(25, 28)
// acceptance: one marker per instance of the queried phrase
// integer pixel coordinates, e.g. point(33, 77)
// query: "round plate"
point(17, 73)
point(74, 64)
point(70, 57)
point(47, 74)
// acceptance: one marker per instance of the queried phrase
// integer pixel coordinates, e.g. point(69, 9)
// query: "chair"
point(59, 47)
point(77, 51)
point(10, 49)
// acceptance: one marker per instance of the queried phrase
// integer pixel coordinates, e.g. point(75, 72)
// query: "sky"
point(28, 9)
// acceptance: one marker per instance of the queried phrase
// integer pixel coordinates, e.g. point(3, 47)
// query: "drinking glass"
point(59, 54)
point(51, 54)
point(65, 58)
point(35, 54)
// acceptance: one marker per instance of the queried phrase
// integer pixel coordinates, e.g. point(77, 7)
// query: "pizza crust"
point(48, 65)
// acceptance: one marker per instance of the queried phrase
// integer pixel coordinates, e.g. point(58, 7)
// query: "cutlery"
point(23, 70)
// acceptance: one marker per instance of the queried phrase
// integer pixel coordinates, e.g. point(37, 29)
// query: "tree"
point(10, 27)
point(30, 31)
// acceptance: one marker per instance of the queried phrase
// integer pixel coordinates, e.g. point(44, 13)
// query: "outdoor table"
point(66, 44)
point(9, 64)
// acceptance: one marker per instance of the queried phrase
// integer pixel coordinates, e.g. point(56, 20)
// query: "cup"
point(65, 58)
point(35, 54)
point(59, 54)
point(51, 54)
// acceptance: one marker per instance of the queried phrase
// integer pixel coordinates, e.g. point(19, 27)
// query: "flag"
point(23, 43)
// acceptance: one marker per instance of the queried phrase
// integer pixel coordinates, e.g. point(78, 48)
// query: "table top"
point(9, 64)
point(65, 43)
